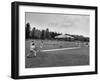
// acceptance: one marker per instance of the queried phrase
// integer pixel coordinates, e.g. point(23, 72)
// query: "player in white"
point(41, 45)
point(32, 49)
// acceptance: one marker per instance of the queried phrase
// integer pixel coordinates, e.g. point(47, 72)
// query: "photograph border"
point(15, 39)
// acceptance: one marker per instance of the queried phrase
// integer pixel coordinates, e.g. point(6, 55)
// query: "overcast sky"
point(62, 23)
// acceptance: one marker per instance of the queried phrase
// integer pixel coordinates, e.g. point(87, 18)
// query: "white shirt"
point(32, 47)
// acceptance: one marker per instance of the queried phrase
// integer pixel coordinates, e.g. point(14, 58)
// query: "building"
point(64, 37)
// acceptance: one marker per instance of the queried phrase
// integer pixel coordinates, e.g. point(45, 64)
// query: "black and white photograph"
point(54, 40)
point(50, 40)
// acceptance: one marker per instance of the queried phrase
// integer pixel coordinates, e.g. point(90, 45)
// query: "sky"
point(63, 23)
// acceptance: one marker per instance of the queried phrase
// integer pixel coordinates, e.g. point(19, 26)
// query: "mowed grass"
point(51, 44)
point(71, 57)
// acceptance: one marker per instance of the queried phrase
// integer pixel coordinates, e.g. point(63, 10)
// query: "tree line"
point(79, 38)
point(39, 34)
point(46, 34)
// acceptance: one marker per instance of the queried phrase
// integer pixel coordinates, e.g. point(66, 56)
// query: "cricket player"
point(41, 45)
point(32, 49)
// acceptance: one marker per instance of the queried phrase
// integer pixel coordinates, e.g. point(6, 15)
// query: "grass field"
point(71, 57)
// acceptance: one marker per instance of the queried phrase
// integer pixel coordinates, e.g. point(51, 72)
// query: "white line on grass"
point(59, 49)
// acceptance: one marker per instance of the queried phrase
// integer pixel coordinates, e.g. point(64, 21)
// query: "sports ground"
point(57, 53)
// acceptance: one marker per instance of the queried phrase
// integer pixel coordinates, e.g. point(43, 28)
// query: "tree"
point(43, 34)
point(27, 29)
point(47, 34)
point(33, 32)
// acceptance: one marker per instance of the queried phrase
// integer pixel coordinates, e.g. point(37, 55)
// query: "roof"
point(64, 36)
